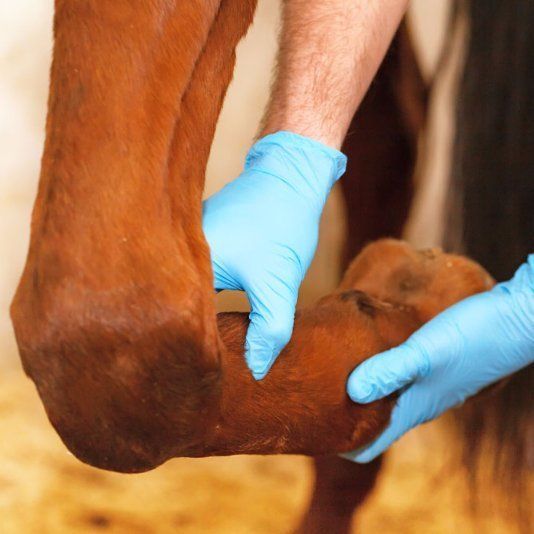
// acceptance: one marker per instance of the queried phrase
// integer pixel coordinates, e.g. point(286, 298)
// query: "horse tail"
point(491, 202)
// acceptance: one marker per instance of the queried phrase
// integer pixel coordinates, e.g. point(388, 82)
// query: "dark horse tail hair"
point(491, 207)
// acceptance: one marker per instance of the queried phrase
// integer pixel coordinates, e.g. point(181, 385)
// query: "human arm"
point(329, 53)
point(467, 347)
point(262, 228)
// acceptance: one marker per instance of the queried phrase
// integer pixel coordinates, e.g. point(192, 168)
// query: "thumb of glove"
point(387, 372)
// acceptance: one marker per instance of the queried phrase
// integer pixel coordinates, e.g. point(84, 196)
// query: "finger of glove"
point(404, 417)
point(271, 325)
point(387, 372)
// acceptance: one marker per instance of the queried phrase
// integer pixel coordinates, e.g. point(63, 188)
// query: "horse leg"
point(340, 487)
point(381, 146)
point(115, 315)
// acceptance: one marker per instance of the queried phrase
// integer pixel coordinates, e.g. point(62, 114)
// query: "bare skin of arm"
point(329, 53)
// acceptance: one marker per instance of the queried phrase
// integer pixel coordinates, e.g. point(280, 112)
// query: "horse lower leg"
point(340, 487)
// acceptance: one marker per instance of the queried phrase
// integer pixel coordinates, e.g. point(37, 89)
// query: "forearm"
point(329, 52)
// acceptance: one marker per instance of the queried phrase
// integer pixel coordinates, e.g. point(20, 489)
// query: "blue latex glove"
point(262, 230)
point(469, 346)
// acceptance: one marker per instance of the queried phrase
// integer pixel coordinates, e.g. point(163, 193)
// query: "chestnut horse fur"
point(115, 316)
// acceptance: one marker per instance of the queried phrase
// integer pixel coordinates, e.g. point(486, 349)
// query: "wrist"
point(320, 130)
point(305, 163)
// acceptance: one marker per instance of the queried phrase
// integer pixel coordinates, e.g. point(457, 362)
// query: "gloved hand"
point(262, 230)
point(469, 346)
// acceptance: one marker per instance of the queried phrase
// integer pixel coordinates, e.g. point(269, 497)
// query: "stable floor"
point(45, 490)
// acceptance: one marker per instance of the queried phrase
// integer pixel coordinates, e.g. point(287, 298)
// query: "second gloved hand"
point(462, 350)
point(262, 230)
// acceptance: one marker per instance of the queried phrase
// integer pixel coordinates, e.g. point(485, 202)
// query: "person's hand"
point(467, 347)
point(262, 230)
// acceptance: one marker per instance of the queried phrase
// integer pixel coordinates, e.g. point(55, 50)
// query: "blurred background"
point(43, 489)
